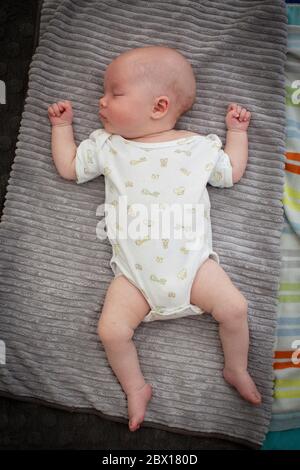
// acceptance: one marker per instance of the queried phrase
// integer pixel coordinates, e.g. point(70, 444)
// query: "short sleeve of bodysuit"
point(90, 156)
point(221, 174)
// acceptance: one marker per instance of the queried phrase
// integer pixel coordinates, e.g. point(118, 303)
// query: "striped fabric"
point(286, 406)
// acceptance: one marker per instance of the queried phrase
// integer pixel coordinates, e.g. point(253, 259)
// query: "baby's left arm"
point(237, 122)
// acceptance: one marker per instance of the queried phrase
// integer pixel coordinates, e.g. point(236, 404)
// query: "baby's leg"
point(213, 291)
point(123, 309)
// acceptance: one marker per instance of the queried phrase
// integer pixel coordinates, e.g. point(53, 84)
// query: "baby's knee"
point(235, 310)
point(112, 333)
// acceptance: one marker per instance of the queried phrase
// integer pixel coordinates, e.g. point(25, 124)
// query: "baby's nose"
point(102, 102)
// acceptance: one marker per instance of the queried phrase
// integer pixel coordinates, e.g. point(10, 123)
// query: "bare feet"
point(244, 384)
point(137, 402)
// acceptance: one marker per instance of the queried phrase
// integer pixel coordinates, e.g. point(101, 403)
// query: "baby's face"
point(126, 105)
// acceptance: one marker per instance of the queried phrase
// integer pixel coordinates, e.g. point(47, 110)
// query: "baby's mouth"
point(102, 117)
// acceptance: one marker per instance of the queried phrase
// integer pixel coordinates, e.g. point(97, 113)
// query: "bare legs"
point(125, 307)
point(123, 310)
point(214, 292)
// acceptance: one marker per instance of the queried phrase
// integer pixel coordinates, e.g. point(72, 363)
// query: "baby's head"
point(146, 90)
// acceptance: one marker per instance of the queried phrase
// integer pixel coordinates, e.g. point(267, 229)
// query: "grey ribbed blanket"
point(55, 271)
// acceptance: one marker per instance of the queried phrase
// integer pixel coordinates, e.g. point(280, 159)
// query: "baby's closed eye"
point(117, 92)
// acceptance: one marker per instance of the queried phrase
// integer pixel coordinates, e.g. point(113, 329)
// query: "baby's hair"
point(166, 71)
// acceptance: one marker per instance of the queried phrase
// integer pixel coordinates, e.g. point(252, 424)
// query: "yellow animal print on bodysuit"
point(216, 145)
point(116, 248)
point(184, 230)
point(139, 266)
point(182, 274)
point(113, 151)
point(165, 242)
point(216, 176)
point(163, 162)
point(171, 294)
point(136, 162)
point(156, 279)
point(179, 191)
point(106, 170)
point(148, 193)
point(155, 176)
point(209, 166)
point(159, 259)
point(131, 212)
point(159, 308)
point(215, 142)
point(186, 152)
point(142, 240)
point(185, 171)
point(89, 156)
point(184, 250)
point(129, 184)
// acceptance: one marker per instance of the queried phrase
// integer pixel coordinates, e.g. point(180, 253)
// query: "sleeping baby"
point(150, 167)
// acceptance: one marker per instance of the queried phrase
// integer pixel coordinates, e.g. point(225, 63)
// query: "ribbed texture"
point(54, 270)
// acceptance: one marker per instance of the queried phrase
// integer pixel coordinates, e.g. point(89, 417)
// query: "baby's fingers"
point(61, 106)
point(243, 114)
point(55, 112)
point(56, 109)
point(234, 110)
point(64, 105)
point(52, 111)
point(232, 107)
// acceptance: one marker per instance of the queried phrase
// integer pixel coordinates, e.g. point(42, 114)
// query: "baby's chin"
point(108, 127)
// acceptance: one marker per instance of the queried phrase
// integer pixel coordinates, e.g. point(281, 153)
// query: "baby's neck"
point(162, 136)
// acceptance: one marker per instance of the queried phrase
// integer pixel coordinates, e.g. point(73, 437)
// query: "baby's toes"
point(134, 424)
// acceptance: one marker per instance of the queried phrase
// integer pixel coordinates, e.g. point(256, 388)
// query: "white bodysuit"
point(157, 175)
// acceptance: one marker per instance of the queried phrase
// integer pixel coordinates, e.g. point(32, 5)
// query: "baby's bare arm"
point(236, 147)
point(62, 140)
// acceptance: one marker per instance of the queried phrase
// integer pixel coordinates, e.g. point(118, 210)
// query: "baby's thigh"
point(124, 304)
point(213, 290)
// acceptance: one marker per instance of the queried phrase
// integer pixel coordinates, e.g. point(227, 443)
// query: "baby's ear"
point(160, 107)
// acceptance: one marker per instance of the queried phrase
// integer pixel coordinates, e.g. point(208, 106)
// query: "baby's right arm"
point(62, 141)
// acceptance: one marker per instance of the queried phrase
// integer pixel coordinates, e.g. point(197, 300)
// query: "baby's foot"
point(244, 384)
point(137, 402)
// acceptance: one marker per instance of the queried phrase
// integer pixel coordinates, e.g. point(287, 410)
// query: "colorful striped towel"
point(286, 406)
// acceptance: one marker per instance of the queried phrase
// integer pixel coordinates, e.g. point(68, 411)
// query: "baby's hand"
point(60, 113)
point(237, 118)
